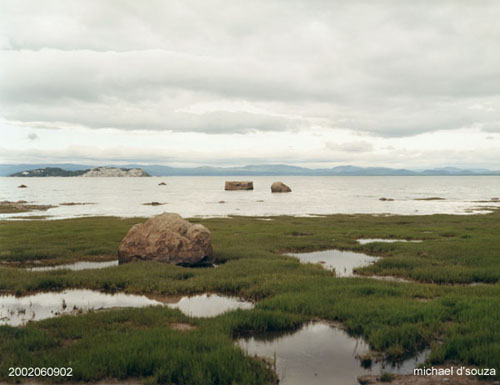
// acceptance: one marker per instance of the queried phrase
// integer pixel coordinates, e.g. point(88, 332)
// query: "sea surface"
point(205, 196)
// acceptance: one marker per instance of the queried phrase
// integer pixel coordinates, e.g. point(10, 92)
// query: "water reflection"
point(319, 354)
point(364, 241)
point(342, 261)
point(16, 311)
point(209, 305)
point(76, 266)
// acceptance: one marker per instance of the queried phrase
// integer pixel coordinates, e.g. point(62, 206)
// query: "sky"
point(404, 83)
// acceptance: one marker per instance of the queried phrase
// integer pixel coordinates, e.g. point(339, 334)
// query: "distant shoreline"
point(67, 170)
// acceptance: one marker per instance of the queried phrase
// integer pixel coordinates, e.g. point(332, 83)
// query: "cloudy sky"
point(304, 82)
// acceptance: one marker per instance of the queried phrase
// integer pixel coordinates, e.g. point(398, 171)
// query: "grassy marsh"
point(460, 322)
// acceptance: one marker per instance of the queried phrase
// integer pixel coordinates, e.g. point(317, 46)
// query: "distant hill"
point(9, 169)
point(250, 170)
point(94, 172)
point(49, 171)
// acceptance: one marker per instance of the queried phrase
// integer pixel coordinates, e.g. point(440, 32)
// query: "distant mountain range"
point(70, 169)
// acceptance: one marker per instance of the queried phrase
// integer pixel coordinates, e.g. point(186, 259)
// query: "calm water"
point(364, 241)
point(319, 354)
point(209, 305)
point(16, 311)
point(76, 266)
point(200, 196)
point(343, 262)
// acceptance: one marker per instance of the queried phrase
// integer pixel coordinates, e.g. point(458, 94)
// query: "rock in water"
point(22, 186)
point(167, 238)
point(279, 187)
point(238, 185)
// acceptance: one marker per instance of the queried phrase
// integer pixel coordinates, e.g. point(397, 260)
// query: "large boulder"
point(167, 238)
point(280, 187)
point(238, 185)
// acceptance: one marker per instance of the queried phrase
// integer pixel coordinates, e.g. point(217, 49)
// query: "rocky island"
point(115, 172)
point(95, 172)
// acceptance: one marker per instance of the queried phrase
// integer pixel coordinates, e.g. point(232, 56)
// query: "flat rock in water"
point(238, 185)
point(167, 238)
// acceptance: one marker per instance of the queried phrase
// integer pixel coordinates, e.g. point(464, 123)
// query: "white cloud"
point(360, 146)
point(285, 69)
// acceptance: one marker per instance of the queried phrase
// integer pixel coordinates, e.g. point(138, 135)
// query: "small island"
point(95, 172)
point(49, 171)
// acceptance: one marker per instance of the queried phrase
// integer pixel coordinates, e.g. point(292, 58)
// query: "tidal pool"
point(319, 354)
point(76, 266)
point(364, 241)
point(342, 261)
point(209, 305)
point(16, 311)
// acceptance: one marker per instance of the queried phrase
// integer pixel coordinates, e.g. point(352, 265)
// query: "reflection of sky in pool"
point(342, 261)
point(364, 241)
point(16, 311)
point(209, 305)
point(77, 266)
point(319, 354)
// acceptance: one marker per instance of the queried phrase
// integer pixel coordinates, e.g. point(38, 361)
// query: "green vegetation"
point(7, 207)
point(396, 318)
point(386, 377)
point(138, 343)
point(12, 208)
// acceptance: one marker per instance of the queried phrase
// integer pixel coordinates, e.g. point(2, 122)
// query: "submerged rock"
point(21, 206)
point(280, 187)
point(386, 199)
point(430, 199)
point(162, 184)
point(22, 186)
point(238, 185)
point(76, 203)
point(167, 238)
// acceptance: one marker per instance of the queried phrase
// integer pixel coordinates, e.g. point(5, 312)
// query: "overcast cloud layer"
point(386, 83)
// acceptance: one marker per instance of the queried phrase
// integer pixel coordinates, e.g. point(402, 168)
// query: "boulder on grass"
point(238, 185)
point(167, 238)
point(280, 187)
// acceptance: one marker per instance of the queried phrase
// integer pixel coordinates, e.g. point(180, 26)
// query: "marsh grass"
point(395, 318)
